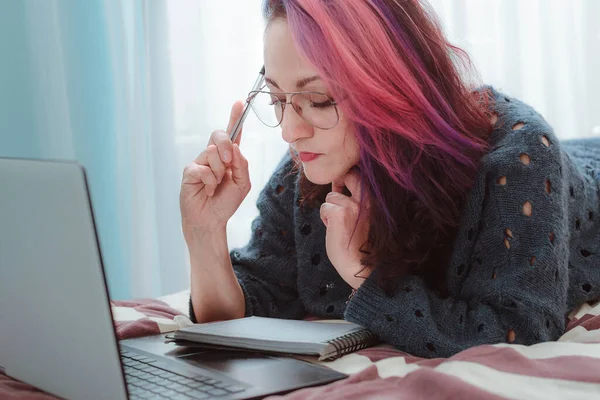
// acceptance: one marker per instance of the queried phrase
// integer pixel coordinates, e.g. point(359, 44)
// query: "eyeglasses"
point(317, 109)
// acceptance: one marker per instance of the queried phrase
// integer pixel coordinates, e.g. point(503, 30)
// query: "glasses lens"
point(317, 109)
point(267, 108)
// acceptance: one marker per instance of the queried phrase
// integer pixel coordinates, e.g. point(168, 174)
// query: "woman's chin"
point(318, 177)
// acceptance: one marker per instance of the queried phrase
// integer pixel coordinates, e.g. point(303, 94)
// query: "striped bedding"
point(566, 369)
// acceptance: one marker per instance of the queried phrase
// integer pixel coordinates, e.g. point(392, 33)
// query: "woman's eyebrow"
point(300, 83)
point(303, 82)
point(272, 82)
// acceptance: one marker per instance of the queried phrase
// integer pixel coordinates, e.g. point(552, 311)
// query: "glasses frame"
point(254, 93)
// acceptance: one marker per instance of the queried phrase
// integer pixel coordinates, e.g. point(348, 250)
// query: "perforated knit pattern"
point(527, 252)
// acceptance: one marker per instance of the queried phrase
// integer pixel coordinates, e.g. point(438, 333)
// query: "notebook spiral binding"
point(350, 343)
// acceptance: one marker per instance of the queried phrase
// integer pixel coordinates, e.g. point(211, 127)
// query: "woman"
point(438, 216)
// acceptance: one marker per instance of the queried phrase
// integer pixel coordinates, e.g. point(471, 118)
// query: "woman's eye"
point(322, 104)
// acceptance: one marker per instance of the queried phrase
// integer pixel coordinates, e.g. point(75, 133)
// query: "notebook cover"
point(275, 329)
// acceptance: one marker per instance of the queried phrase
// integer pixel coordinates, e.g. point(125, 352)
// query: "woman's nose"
point(293, 127)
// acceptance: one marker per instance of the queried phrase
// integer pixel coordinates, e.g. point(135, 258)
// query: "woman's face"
point(326, 155)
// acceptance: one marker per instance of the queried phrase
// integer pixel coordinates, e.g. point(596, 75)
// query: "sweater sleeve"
point(266, 267)
point(508, 278)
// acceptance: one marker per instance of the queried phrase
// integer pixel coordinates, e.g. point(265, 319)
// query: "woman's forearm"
point(215, 291)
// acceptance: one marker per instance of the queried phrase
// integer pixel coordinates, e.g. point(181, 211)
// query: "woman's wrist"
point(195, 235)
point(208, 249)
point(363, 272)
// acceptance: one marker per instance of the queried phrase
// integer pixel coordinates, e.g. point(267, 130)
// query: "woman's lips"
point(306, 157)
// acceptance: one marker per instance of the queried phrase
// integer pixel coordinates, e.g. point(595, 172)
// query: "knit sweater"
point(513, 276)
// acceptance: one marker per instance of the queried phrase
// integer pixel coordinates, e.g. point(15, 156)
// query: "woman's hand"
point(215, 183)
point(339, 213)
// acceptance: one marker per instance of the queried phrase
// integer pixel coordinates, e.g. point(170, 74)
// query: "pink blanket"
point(567, 368)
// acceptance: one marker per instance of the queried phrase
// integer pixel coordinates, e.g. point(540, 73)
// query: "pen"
point(238, 125)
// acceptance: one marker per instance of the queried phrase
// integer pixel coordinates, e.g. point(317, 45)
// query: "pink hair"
point(420, 127)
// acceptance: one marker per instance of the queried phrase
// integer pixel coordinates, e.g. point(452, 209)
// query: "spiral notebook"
point(327, 340)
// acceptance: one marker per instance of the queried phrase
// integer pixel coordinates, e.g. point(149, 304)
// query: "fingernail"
point(226, 156)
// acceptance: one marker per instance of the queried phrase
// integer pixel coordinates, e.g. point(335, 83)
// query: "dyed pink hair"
point(420, 127)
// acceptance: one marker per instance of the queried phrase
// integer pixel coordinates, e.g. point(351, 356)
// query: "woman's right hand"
point(216, 182)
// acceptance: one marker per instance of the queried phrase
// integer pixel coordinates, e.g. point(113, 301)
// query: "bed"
point(566, 369)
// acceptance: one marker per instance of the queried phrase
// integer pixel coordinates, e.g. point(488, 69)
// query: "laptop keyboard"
point(147, 381)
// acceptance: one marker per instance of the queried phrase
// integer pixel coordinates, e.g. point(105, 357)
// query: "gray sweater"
point(515, 285)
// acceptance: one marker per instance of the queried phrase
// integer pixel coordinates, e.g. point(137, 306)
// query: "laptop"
point(56, 329)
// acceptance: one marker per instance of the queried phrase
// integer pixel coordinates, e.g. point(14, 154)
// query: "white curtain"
point(99, 78)
point(147, 146)
point(545, 52)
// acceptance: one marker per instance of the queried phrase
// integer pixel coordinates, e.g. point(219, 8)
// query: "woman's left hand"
point(339, 213)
